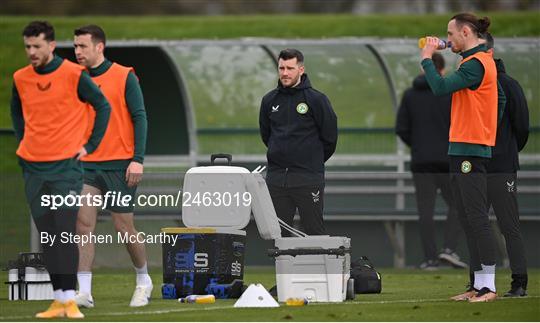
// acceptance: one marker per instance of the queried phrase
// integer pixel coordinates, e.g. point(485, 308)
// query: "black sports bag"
point(366, 279)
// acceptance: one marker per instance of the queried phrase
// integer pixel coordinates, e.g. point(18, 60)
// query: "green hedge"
point(12, 55)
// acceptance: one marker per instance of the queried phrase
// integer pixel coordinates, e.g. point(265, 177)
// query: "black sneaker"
point(519, 280)
point(452, 258)
point(516, 292)
point(429, 265)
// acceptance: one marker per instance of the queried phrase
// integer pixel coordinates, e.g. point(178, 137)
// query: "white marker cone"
point(256, 296)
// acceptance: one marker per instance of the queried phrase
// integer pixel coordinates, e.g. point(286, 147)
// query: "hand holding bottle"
point(431, 45)
point(442, 43)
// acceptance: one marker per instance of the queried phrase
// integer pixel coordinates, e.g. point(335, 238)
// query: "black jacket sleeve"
point(264, 122)
point(403, 126)
point(326, 121)
point(518, 112)
point(501, 102)
point(17, 114)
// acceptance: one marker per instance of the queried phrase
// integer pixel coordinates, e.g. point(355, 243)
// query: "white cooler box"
point(313, 267)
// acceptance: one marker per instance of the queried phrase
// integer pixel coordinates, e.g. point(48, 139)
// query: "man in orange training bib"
point(476, 101)
point(50, 117)
point(117, 166)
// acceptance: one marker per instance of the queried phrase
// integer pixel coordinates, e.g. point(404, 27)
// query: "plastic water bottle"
point(442, 43)
point(296, 302)
point(199, 299)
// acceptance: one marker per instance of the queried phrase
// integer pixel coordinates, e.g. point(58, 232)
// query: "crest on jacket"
point(302, 108)
point(466, 167)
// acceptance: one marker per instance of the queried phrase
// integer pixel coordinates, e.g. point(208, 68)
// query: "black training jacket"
point(299, 127)
point(513, 130)
point(423, 123)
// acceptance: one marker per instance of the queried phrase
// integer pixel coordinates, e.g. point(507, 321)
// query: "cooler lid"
point(216, 197)
point(263, 208)
point(322, 242)
point(173, 230)
point(180, 230)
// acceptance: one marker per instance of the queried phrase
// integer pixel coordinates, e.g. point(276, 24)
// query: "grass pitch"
point(408, 295)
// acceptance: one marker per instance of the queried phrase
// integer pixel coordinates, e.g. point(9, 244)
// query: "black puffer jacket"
point(513, 130)
point(423, 123)
point(299, 127)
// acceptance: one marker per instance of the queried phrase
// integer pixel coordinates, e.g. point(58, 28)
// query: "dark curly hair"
point(36, 28)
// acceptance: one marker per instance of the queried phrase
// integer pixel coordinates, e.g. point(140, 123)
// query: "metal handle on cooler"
point(341, 251)
point(226, 156)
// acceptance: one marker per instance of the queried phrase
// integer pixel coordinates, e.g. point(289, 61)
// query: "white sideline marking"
point(212, 308)
point(398, 301)
point(174, 310)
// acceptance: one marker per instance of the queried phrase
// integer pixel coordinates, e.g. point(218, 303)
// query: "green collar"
point(474, 50)
point(51, 66)
point(101, 69)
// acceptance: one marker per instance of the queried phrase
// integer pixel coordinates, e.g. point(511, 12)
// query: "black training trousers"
point(468, 178)
point(62, 257)
point(502, 191)
point(309, 202)
point(426, 185)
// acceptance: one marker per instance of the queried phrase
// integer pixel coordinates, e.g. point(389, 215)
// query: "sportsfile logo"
point(121, 199)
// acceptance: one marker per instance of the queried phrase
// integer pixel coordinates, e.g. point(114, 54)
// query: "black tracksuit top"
point(423, 123)
point(299, 127)
point(513, 130)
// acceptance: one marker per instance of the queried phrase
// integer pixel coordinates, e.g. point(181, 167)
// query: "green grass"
point(408, 295)
point(15, 230)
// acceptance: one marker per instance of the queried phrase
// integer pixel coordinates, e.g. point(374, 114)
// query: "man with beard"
point(50, 118)
point(299, 127)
